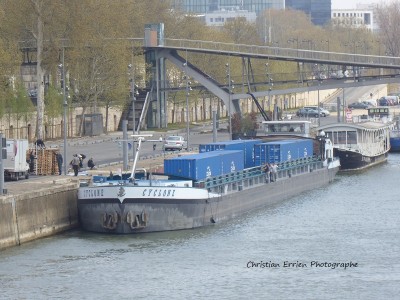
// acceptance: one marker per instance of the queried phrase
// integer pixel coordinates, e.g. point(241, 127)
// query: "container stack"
point(247, 146)
point(45, 162)
point(282, 151)
point(204, 165)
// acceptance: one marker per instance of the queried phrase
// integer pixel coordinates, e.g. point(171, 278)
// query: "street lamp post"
point(228, 70)
point(319, 112)
point(269, 100)
point(268, 78)
point(354, 49)
point(379, 49)
point(133, 92)
point(187, 107)
point(309, 46)
point(275, 45)
point(65, 104)
point(292, 40)
point(270, 84)
point(327, 42)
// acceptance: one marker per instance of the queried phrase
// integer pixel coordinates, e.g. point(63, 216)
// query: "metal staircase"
point(127, 111)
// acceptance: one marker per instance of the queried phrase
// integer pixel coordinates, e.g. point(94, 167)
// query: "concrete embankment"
point(37, 208)
point(44, 206)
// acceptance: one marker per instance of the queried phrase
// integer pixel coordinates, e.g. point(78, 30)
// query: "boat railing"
point(288, 165)
point(253, 172)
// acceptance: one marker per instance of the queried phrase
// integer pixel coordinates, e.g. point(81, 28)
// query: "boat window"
point(378, 111)
point(284, 128)
point(351, 137)
point(333, 136)
point(341, 137)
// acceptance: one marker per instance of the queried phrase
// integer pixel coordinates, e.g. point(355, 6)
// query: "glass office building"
point(319, 11)
point(205, 6)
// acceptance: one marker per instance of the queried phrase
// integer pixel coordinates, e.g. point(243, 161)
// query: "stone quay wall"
point(39, 212)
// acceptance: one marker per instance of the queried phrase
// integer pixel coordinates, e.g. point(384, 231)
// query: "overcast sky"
point(352, 3)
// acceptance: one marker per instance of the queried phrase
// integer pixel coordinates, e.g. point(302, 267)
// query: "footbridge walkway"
point(381, 69)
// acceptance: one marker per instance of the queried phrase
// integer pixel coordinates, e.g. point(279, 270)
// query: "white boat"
point(126, 204)
point(359, 145)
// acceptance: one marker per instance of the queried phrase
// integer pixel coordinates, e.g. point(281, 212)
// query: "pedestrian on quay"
point(31, 161)
point(81, 158)
point(40, 144)
point(274, 171)
point(267, 171)
point(59, 159)
point(90, 163)
point(75, 164)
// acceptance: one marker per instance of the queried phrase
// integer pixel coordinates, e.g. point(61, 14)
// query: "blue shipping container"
point(247, 146)
point(224, 145)
point(203, 165)
point(249, 155)
point(281, 151)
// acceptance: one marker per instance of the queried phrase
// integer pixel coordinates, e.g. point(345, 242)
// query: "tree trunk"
point(39, 72)
point(81, 122)
point(195, 111)
point(107, 107)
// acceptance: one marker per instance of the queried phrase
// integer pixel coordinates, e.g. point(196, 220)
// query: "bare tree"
point(389, 27)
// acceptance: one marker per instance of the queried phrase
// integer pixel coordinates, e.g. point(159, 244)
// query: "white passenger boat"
point(359, 145)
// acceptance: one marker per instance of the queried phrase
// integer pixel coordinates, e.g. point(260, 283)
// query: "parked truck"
point(15, 165)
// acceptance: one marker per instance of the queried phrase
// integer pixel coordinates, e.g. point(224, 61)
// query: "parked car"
point(371, 102)
point(384, 101)
point(324, 112)
point(174, 142)
point(395, 96)
point(308, 112)
point(358, 105)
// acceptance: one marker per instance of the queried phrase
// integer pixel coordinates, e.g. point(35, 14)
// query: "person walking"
point(59, 159)
point(75, 164)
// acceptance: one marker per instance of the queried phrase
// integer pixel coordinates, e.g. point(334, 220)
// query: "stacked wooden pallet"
point(45, 162)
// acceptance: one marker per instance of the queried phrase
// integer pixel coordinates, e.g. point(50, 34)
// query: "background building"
point(206, 6)
point(319, 11)
point(219, 17)
point(361, 17)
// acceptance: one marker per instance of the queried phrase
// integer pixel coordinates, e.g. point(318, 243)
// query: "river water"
point(338, 242)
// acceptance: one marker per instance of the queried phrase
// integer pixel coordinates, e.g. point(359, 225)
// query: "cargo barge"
point(206, 188)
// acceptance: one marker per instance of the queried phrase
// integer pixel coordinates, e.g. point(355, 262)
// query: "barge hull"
point(355, 161)
point(138, 215)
